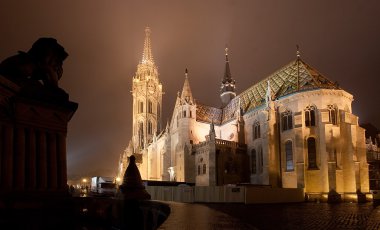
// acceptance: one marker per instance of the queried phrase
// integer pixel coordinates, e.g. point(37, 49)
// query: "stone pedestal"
point(33, 128)
point(334, 197)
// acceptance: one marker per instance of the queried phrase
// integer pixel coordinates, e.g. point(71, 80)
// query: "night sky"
point(105, 39)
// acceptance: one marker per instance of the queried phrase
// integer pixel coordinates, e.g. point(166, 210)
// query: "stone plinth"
point(33, 127)
point(34, 113)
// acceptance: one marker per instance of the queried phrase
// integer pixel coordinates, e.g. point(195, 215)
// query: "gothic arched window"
point(150, 127)
point(158, 110)
point(256, 130)
point(332, 114)
point(253, 162)
point(150, 106)
point(199, 169)
point(204, 168)
point(289, 156)
point(141, 107)
point(141, 134)
point(311, 153)
point(310, 115)
point(287, 120)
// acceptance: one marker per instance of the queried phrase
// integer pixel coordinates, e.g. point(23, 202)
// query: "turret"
point(186, 95)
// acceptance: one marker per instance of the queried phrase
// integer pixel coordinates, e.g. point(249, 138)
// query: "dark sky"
point(104, 40)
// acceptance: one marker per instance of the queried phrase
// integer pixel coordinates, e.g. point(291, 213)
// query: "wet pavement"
point(272, 216)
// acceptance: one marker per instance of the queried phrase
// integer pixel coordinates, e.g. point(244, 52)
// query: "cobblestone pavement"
point(273, 216)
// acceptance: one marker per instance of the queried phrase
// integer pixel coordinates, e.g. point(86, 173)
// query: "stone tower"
point(227, 90)
point(182, 134)
point(147, 98)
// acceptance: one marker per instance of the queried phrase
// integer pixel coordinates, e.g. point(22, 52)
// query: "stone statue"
point(43, 62)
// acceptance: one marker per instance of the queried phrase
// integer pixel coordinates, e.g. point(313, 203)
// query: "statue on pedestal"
point(43, 62)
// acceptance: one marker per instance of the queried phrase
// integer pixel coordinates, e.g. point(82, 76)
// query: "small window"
point(256, 130)
point(310, 116)
point(191, 114)
point(184, 113)
point(199, 169)
point(332, 114)
point(289, 156)
point(204, 168)
point(287, 120)
point(311, 153)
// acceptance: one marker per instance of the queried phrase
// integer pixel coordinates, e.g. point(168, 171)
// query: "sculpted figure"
point(42, 62)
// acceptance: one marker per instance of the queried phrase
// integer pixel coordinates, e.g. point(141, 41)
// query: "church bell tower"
point(147, 98)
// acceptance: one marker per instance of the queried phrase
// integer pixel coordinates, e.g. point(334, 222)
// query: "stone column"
point(1, 156)
point(52, 156)
point(300, 169)
point(357, 174)
point(332, 175)
point(62, 164)
point(42, 159)
point(32, 159)
point(19, 162)
point(8, 157)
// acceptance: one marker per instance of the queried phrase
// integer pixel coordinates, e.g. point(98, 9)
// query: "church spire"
point(147, 53)
point(186, 95)
point(227, 72)
point(227, 90)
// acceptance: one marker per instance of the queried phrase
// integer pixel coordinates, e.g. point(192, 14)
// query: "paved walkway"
point(186, 216)
point(273, 216)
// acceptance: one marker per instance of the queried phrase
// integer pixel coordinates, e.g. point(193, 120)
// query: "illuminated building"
point(293, 129)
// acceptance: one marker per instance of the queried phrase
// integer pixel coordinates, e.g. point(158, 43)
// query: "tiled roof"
point(295, 77)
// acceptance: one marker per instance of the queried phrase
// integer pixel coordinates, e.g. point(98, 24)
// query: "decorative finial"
point(186, 72)
point(226, 49)
point(298, 52)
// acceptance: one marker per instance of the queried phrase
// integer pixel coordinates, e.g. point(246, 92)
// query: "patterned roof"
point(209, 114)
point(295, 77)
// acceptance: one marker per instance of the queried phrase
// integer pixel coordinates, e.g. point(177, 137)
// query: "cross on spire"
point(298, 52)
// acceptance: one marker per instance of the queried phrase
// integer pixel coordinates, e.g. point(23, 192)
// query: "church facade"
point(293, 129)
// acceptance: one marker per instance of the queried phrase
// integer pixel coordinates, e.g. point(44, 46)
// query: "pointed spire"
point(227, 72)
point(167, 126)
point(212, 128)
point(186, 95)
point(298, 67)
point(147, 53)
point(228, 84)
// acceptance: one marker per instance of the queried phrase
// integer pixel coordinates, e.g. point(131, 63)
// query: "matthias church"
point(293, 129)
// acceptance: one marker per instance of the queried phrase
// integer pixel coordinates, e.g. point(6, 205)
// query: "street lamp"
point(118, 180)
